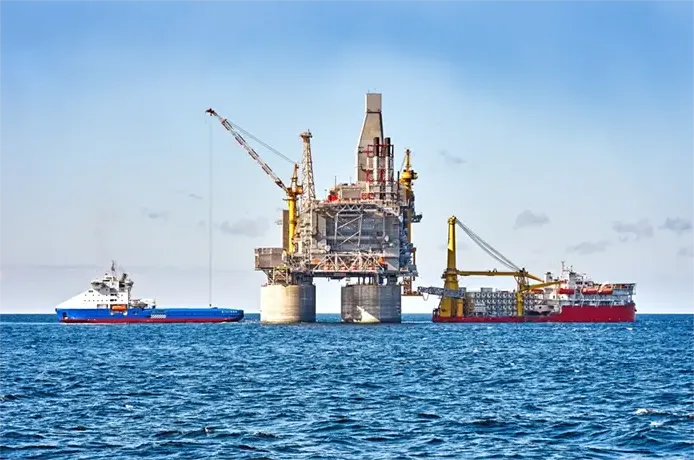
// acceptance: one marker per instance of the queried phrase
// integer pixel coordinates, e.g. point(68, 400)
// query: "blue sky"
point(573, 120)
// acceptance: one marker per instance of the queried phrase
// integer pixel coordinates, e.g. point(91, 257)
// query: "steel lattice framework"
point(350, 240)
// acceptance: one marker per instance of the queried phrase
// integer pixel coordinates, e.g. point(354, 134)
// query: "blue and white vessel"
point(109, 301)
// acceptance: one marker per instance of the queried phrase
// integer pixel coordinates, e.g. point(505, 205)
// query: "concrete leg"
point(365, 303)
point(288, 304)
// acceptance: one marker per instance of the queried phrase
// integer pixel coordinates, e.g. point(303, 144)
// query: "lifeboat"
point(118, 307)
point(606, 289)
point(565, 290)
point(589, 290)
point(538, 290)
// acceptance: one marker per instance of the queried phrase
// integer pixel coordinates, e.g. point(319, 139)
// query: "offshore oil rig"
point(361, 232)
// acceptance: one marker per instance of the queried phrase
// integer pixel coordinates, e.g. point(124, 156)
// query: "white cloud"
point(589, 247)
point(529, 219)
point(677, 225)
point(640, 229)
point(245, 227)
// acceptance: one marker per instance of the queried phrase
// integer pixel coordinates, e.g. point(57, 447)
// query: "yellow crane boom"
point(521, 273)
point(540, 285)
point(292, 192)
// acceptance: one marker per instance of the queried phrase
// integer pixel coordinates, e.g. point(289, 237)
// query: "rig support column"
point(285, 304)
point(371, 303)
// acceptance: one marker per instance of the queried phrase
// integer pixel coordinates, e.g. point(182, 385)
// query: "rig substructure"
point(361, 232)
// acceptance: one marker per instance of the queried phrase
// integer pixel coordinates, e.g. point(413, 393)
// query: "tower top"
point(373, 102)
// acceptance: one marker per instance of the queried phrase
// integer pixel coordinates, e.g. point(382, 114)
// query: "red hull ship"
point(570, 297)
point(568, 314)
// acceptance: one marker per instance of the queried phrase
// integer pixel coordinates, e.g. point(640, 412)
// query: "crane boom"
point(292, 192)
point(521, 273)
point(530, 287)
point(251, 151)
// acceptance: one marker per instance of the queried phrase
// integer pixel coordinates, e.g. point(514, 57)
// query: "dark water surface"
point(333, 391)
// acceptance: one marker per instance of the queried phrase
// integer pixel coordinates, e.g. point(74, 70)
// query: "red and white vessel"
point(575, 299)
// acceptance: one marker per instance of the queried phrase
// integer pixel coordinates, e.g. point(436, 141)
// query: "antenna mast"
point(307, 168)
point(308, 197)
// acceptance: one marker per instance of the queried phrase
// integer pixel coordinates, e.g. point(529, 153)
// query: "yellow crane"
point(292, 192)
point(451, 306)
point(407, 178)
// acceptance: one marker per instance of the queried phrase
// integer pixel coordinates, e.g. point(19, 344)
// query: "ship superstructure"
point(110, 291)
point(579, 289)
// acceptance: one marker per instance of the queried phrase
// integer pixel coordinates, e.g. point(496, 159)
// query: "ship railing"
point(441, 292)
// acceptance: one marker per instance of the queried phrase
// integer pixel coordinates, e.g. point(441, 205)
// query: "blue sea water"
point(336, 391)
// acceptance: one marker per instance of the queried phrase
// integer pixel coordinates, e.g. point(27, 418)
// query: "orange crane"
point(292, 192)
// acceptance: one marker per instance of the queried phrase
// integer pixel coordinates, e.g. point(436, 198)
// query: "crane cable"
point(494, 253)
point(268, 147)
point(486, 247)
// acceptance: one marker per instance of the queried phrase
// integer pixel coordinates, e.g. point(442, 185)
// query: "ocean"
point(334, 391)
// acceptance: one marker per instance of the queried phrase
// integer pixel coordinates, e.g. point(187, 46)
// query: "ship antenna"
point(209, 222)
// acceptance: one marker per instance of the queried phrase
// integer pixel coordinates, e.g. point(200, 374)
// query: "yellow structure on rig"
point(407, 178)
point(453, 300)
point(294, 191)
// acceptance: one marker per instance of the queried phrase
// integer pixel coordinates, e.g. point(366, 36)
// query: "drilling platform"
point(360, 233)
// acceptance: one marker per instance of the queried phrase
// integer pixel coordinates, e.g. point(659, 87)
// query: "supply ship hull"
point(568, 314)
point(148, 315)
